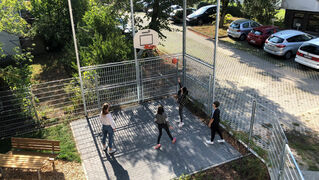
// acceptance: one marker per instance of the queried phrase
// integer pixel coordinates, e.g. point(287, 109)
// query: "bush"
point(235, 11)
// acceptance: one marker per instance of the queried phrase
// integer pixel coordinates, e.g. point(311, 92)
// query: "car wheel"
point(200, 22)
point(288, 55)
point(242, 37)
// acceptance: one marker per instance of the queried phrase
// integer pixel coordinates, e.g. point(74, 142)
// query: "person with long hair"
point(161, 121)
point(108, 127)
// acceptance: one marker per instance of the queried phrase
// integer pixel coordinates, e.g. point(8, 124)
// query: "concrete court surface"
point(135, 138)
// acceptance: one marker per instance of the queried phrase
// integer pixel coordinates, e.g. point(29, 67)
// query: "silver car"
point(240, 28)
point(286, 43)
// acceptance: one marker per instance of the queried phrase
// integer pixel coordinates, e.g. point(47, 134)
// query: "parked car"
point(202, 15)
point(124, 26)
point(308, 54)
point(167, 10)
point(258, 35)
point(240, 28)
point(286, 43)
point(177, 15)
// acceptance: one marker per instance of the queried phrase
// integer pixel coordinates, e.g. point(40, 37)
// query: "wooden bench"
point(19, 158)
point(35, 144)
point(22, 162)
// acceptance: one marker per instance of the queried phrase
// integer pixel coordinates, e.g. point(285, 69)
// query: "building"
point(302, 15)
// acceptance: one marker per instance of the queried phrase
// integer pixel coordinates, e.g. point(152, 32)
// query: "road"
point(285, 87)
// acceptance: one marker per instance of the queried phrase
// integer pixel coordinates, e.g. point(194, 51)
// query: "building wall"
point(309, 21)
point(301, 5)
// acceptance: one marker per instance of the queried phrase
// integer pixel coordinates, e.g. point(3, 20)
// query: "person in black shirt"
point(214, 124)
point(181, 100)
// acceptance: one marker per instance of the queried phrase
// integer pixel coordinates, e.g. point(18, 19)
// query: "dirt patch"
point(306, 148)
point(63, 170)
point(249, 168)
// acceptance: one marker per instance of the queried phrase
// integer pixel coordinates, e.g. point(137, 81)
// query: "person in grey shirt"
point(161, 121)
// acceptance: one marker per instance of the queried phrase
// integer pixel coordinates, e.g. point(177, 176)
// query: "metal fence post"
point(210, 104)
point(137, 67)
point(141, 82)
point(33, 104)
point(177, 76)
point(282, 162)
point(252, 121)
point(184, 42)
point(216, 46)
point(97, 91)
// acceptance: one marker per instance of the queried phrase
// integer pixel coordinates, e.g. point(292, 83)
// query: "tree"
point(159, 17)
point(262, 10)
point(99, 39)
point(224, 9)
point(52, 20)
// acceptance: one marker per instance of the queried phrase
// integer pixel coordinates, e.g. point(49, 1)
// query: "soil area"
point(63, 170)
point(249, 168)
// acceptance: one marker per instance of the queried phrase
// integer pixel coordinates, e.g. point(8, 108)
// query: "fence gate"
point(117, 83)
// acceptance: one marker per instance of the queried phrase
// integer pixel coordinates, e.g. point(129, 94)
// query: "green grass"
point(307, 147)
point(61, 132)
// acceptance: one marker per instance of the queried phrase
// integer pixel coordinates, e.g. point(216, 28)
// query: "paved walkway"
point(135, 138)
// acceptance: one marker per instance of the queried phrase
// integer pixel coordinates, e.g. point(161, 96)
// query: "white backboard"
point(145, 37)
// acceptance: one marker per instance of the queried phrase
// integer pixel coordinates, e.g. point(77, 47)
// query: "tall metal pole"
point(184, 42)
point(138, 82)
point(216, 46)
point(77, 57)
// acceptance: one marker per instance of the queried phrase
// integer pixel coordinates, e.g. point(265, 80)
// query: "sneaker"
point(174, 140)
point(180, 124)
point(157, 146)
point(111, 151)
point(221, 141)
point(177, 120)
point(209, 142)
point(104, 147)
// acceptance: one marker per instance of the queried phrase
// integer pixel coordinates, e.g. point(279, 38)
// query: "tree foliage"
point(99, 39)
point(52, 20)
point(261, 10)
point(10, 19)
point(224, 9)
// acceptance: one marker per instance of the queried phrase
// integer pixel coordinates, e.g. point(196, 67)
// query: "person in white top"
point(108, 127)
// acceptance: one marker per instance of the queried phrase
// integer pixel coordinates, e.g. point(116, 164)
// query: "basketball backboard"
point(145, 38)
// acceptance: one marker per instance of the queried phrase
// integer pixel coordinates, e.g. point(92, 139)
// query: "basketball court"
point(135, 138)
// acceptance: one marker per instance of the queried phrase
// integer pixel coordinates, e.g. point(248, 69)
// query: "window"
point(293, 39)
point(276, 39)
point(299, 15)
point(305, 37)
point(310, 48)
point(298, 20)
point(254, 24)
point(313, 23)
point(246, 25)
point(258, 32)
point(234, 25)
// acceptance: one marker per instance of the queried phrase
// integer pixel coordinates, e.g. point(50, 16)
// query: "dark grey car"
point(240, 28)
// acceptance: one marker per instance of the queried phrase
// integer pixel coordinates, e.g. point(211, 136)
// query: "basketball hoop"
point(149, 46)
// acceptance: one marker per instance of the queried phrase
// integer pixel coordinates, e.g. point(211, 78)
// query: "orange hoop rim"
point(149, 46)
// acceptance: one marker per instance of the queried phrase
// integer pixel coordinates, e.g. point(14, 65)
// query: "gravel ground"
point(64, 170)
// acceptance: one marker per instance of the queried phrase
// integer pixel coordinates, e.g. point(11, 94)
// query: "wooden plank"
point(21, 161)
point(14, 139)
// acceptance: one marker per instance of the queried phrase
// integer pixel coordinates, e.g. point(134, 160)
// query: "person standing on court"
point(161, 121)
point(214, 124)
point(108, 127)
point(181, 100)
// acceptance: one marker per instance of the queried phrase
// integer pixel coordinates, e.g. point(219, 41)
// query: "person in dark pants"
point(108, 127)
point(214, 124)
point(161, 121)
point(181, 100)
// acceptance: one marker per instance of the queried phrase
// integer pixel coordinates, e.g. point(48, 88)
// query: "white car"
point(308, 54)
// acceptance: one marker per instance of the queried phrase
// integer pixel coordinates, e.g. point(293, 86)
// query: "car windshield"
point(275, 39)
point(201, 10)
point(257, 32)
point(235, 25)
point(310, 48)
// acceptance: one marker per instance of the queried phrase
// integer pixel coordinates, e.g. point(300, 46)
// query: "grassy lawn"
point(248, 167)
point(307, 148)
point(61, 132)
